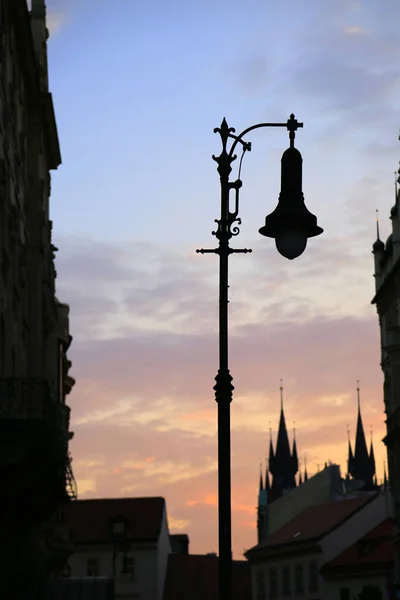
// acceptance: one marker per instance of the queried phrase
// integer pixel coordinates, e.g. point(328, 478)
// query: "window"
point(299, 579)
point(344, 594)
point(119, 527)
point(93, 567)
point(260, 584)
point(313, 576)
point(273, 583)
point(128, 567)
point(286, 580)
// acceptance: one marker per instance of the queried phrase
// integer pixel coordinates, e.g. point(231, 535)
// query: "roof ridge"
point(120, 499)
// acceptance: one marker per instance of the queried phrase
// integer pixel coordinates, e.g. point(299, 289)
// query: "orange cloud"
point(145, 392)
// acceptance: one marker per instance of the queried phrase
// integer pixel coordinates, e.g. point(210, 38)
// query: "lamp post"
point(291, 224)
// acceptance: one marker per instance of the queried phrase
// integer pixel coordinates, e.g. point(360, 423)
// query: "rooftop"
point(89, 521)
point(373, 550)
point(316, 521)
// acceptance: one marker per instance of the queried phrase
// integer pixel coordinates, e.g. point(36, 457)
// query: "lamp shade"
point(291, 223)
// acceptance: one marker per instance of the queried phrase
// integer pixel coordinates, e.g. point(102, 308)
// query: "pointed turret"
point(295, 460)
point(271, 459)
point(267, 486)
point(284, 477)
point(261, 486)
point(372, 457)
point(385, 479)
point(262, 511)
point(378, 245)
point(350, 458)
point(361, 468)
point(305, 470)
point(300, 479)
point(378, 250)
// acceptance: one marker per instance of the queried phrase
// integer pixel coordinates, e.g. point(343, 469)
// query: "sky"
point(138, 88)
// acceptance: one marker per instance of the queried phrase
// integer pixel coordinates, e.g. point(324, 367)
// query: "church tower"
point(262, 512)
point(361, 463)
point(387, 301)
point(283, 464)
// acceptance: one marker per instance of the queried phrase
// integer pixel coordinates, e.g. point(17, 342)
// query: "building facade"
point(124, 539)
point(34, 326)
point(368, 562)
point(290, 562)
point(282, 499)
point(387, 302)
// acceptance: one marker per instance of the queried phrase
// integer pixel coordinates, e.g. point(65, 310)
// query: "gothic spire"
point(295, 459)
point(378, 245)
point(350, 458)
point(284, 476)
point(267, 486)
point(300, 479)
point(271, 459)
point(361, 460)
point(377, 225)
point(261, 486)
point(305, 470)
point(385, 479)
point(372, 456)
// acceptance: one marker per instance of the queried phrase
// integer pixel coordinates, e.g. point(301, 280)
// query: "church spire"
point(305, 470)
point(378, 246)
point(350, 458)
point(262, 511)
point(295, 459)
point(271, 459)
point(377, 225)
point(372, 456)
point(361, 461)
point(284, 476)
point(385, 479)
point(267, 486)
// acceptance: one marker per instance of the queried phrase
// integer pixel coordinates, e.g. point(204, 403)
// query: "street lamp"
point(291, 224)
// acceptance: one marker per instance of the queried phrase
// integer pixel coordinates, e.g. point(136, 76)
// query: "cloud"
point(54, 22)
point(143, 408)
point(354, 30)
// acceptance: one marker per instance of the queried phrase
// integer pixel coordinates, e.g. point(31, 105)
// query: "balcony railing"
point(32, 402)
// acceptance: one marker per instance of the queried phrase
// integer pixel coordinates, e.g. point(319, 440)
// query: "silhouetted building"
point(195, 577)
point(387, 301)
point(283, 463)
point(361, 463)
point(35, 472)
point(283, 466)
point(281, 500)
point(179, 543)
